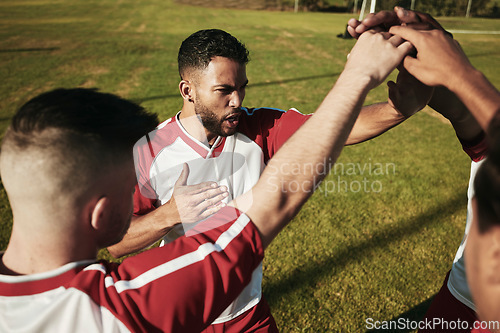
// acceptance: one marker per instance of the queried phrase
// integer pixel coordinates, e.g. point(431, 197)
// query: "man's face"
point(219, 94)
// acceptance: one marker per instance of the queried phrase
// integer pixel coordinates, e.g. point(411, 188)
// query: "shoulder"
point(265, 112)
point(152, 143)
point(264, 118)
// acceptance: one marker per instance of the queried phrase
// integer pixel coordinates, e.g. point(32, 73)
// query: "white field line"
point(476, 32)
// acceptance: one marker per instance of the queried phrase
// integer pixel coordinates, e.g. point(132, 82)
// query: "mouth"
point(232, 120)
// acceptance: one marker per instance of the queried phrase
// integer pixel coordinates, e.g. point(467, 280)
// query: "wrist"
point(356, 79)
point(167, 216)
point(463, 80)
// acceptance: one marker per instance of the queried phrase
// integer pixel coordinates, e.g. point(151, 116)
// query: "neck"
point(194, 126)
point(30, 252)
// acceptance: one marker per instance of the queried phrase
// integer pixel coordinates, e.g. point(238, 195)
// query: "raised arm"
point(440, 61)
point(280, 192)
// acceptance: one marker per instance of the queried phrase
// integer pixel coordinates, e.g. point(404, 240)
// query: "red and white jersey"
point(236, 161)
point(181, 287)
point(457, 282)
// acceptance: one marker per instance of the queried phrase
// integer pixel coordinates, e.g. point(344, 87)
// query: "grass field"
point(351, 254)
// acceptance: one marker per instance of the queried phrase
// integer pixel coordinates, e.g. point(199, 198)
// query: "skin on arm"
point(374, 120)
point(440, 61)
point(189, 204)
point(406, 97)
point(447, 103)
point(273, 202)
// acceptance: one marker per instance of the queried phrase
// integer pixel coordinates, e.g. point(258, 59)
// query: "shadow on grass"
point(310, 273)
point(415, 314)
point(47, 49)
point(250, 86)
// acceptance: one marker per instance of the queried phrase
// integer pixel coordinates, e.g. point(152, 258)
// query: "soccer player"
point(477, 277)
point(224, 143)
point(440, 62)
point(482, 251)
point(438, 53)
point(67, 168)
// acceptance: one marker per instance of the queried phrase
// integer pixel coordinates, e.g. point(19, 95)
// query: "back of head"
point(200, 48)
point(487, 181)
point(61, 142)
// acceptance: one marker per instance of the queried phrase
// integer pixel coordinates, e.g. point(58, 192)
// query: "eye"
point(224, 91)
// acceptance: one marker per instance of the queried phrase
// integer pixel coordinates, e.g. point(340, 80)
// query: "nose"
point(236, 99)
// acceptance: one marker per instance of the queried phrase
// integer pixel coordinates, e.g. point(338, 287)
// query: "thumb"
point(182, 180)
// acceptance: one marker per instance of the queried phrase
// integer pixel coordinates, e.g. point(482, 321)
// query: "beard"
point(210, 120)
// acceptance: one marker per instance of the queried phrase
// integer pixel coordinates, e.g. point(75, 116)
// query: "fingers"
point(396, 40)
point(353, 23)
point(210, 196)
point(419, 26)
point(407, 16)
point(197, 188)
point(418, 20)
point(406, 33)
point(383, 18)
point(182, 180)
point(352, 32)
point(406, 48)
point(403, 46)
point(211, 210)
point(215, 201)
point(212, 202)
point(194, 206)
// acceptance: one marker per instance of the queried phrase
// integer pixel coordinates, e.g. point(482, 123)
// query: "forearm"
point(372, 121)
point(144, 231)
point(479, 96)
point(449, 105)
point(281, 190)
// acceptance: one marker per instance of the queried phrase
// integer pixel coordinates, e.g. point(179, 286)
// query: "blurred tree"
point(440, 7)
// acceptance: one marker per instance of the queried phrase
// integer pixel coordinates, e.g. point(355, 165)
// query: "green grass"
point(348, 255)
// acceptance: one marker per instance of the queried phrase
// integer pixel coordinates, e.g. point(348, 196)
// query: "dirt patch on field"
point(132, 82)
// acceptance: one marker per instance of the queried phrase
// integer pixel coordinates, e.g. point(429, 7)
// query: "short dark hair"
point(78, 132)
point(487, 181)
point(201, 47)
point(100, 116)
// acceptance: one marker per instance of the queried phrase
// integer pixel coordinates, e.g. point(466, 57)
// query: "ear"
point(186, 89)
point(100, 213)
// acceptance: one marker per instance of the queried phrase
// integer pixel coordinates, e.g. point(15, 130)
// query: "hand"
point(383, 20)
point(376, 55)
point(408, 95)
point(440, 59)
point(196, 202)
